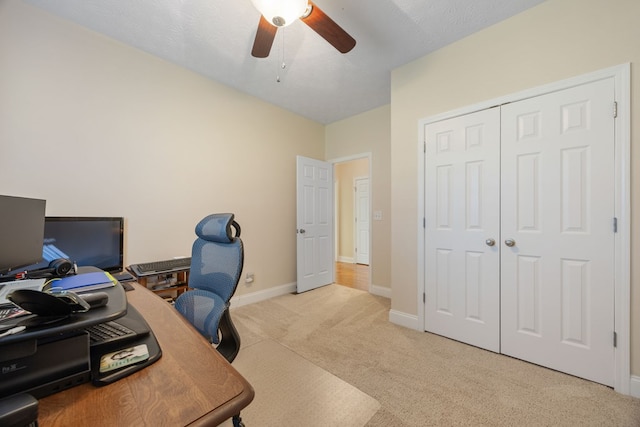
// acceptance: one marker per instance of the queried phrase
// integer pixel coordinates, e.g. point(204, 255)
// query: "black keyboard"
point(166, 266)
point(106, 332)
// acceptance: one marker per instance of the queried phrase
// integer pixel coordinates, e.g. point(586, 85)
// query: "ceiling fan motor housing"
point(281, 13)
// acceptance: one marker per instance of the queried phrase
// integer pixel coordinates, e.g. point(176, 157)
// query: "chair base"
point(229, 347)
point(237, 421)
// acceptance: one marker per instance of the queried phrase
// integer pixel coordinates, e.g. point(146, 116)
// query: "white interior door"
point(362, 220)
point(557, 215)
point(314, 223)
point(462, 276)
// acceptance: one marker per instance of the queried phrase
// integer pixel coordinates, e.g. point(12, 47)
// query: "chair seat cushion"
point(203, 309)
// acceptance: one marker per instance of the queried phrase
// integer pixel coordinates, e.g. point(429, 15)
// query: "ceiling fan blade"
point(328, 29)
point(264, 38)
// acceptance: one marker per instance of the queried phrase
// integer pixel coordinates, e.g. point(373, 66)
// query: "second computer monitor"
point(86, 241)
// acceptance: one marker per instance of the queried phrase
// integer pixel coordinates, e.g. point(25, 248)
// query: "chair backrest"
point(217, 256)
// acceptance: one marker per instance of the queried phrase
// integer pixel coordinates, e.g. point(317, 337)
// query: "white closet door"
point(462, 199)
point(557, 208)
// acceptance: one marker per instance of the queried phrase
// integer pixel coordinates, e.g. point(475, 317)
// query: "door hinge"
point(424, 146)
point(424, 297)
point(615, 109)
point(615, 339)
point(424, 222)
point(615, 225)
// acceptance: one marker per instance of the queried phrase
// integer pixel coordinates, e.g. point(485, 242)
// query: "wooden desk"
point(192, 384)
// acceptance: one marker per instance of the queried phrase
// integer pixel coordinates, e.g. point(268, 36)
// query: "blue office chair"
point(217, 259)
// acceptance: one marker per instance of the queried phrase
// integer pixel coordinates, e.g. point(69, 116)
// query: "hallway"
point(353, 275)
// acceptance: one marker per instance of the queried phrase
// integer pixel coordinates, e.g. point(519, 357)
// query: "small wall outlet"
point(377, 215)
point(249, 278)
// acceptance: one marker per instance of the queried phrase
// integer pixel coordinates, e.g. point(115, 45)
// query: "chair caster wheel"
point(237, 421)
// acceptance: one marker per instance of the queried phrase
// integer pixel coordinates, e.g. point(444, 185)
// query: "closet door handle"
point(510, 242)
point(490, 242)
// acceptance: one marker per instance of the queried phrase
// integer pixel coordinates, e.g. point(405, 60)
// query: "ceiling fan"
point(281, 13)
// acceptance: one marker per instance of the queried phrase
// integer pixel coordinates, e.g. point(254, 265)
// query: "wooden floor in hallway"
point(353, 275)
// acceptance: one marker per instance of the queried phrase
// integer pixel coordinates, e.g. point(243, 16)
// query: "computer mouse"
point(95, 299)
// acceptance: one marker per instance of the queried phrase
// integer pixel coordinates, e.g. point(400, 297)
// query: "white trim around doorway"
point(367, 155)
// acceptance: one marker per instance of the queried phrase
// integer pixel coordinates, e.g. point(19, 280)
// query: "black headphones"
point(57, 268)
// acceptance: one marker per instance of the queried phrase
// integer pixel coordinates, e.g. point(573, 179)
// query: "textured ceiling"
point(214, 38)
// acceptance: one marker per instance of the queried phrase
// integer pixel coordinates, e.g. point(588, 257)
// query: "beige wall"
point(369, 132)
point(344, 175)
point(99, 128)
point(553, 41)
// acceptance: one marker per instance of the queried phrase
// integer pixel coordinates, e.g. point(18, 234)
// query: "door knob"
point(490, 242)
point(510, 242)
point(302, 231)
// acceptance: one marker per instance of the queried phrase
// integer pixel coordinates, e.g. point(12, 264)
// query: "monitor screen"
point(86, 241)
point(21, 231)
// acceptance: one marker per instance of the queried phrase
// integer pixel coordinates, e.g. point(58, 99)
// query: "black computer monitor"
point(86, 241)
point(21, 231)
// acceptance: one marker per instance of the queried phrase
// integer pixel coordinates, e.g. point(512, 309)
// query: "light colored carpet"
point(419, 379)
point(305, 395)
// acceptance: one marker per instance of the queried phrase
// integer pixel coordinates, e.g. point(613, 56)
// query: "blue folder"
point(82, 282)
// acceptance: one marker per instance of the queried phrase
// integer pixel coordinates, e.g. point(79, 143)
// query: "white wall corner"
point(404, 319)
point(253, 297)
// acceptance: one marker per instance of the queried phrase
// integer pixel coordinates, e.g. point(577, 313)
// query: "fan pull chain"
point(283, 65)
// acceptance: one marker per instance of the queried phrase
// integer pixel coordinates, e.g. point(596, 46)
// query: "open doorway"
point(352, 193)
point(352, 275)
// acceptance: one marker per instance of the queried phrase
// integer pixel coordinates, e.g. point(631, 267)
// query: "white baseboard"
point(245, 299)
point(403, 319)
point(381, 291)
point(348, 260)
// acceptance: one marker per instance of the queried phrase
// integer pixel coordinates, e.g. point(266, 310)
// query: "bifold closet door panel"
point(557, 248)
point(462, 185)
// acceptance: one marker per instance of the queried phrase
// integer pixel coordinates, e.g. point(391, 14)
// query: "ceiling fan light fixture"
point(281, 12)
point(308, 11)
